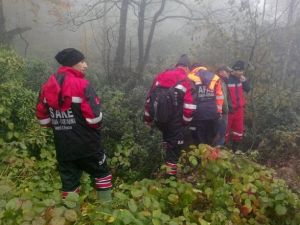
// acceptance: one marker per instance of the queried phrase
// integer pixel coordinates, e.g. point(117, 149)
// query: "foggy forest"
point(126, 44)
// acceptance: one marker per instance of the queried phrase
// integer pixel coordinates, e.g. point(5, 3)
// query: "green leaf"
point(121, 196)
point(13, 204)
point(137, 193)
point(156, 213)
point(280, 210)
point(10, 126)
point(70, 215)
point(49, 202)
point(16, 135)
point(9, 135)
point(2, 203)
point(27, 205)
point(279, 197)
point(57, 221)
point(193, 160)
point(132, 205)
point(248, 203)
point(156, 221)
point(38, 221)
point(1, 109)
point(208, 191)
point(4, 189)
point(203, 222)
point(71, 200)
point(173, 198)
point(147, 202)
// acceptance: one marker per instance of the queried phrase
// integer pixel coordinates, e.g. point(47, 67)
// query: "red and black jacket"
point(236, 89)
point(174, 77)
point(69, 105)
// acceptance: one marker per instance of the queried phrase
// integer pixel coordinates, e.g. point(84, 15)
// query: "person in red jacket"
point(237, 84)
point(69, 105)
point(180, 114)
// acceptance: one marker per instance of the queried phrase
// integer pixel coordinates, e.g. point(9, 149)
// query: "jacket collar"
point(70, 71)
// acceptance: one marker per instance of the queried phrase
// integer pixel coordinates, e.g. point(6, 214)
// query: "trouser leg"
point(229, 127)
point(96, 166)
point(173, 144)
point(198, 132)
point(210, 131)
point(70, 175)
point(237, 130)
point(221, 124)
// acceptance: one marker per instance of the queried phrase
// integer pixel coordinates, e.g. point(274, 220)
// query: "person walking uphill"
point(209, 100)
point(236, 84)
point(69, 105)
point(170, 105)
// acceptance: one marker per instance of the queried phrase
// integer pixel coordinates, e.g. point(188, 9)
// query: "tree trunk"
point(6, 37)
point(120, 51)
point(2, 23)
point(289, 39)
point(141, 28)
point(141, 67)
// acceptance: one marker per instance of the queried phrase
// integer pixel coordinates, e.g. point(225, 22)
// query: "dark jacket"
point(69, 105)
point(209, 95)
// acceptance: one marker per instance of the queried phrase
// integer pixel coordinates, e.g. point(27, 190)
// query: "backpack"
point(163, 103)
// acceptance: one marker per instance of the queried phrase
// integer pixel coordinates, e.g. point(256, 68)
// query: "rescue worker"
point(179, 111)
point(237, 84)
point(69, 105)
point(223, 72)
point(209, 101)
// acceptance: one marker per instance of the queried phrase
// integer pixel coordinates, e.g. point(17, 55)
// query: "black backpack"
point(163, 103)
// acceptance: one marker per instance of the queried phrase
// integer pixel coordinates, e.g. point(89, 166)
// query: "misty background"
point(127, 42)
point(187, 26)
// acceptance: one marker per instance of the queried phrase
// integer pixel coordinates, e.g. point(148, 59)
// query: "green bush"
point(280, 145)
point(214, 187)
point(134, 151)
point(36, 73)
point(17, 120)
point(11, 65)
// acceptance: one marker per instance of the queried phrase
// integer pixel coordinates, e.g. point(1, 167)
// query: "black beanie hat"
point(183, 61)
point(239, 65)
point(69, 57)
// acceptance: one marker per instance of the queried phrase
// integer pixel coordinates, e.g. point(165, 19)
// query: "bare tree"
point(150, 13)
point(120, 51)
point(6, 36)
point(158, 17)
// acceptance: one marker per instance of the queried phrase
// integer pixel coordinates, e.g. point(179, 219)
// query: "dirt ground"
point(290, 172)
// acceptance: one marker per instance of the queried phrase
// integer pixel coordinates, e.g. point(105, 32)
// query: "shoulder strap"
point(60, 78)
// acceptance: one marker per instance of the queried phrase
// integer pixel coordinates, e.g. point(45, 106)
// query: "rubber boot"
point(104, 196)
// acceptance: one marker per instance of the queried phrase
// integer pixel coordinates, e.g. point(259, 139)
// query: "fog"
point(187, 26)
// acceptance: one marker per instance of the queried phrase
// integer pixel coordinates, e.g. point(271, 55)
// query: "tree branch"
point(179, 17)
